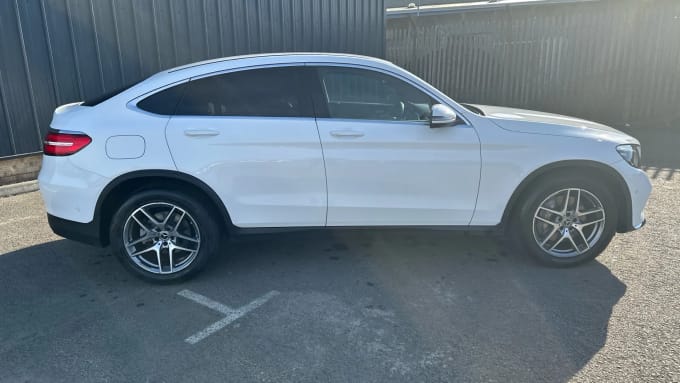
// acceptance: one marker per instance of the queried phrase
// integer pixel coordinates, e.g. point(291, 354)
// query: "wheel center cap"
point(165, 235)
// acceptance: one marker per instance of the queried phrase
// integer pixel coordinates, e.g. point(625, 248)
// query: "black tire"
point(522, 224)
point(203, 220)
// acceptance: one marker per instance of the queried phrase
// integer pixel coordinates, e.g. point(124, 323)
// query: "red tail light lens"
point(64, 144)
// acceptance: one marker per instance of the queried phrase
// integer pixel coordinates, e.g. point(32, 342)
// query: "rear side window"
point(164, 102)
point(269, 92)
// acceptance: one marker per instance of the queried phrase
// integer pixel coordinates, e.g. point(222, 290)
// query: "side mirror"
point(442, 116)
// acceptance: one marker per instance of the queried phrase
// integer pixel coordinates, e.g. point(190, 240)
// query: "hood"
point(529, 121)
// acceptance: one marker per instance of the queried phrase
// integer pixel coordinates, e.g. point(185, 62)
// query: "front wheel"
point(163, 235)
point(567, 221)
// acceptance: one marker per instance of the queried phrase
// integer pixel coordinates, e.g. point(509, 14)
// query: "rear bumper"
point(80, 232)
point(68, 191)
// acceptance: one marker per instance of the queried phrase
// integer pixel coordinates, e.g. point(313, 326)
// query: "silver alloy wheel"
point(161, 238)
point(568, 222)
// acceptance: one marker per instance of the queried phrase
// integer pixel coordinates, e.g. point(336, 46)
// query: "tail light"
point(58, 143)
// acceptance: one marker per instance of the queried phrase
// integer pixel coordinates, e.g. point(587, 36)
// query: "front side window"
point(268, 92)
point(368, 95)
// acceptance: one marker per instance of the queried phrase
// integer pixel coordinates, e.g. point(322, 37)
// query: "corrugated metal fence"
point(616, 62)
point(58, 51)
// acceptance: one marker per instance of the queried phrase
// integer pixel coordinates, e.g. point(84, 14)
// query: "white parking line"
point(230, 314)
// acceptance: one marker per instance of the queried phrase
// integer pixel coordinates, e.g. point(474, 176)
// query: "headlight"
point(630, 153)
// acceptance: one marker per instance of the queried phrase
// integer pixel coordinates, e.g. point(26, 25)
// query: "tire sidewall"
point(202, 217)
point(524, 220)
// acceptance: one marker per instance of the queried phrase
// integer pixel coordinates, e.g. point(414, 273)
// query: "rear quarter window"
point(164, 102)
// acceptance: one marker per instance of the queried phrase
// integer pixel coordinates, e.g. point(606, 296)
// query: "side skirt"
point(239, 231)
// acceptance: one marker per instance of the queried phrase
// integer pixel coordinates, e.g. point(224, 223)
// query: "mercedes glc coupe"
point(162, 171)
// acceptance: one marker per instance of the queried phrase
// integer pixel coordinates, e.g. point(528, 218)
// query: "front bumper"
point(640, 188)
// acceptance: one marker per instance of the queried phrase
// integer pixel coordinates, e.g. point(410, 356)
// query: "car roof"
point(185, 73)
point(203, 68)
point(174, 76)
point(264, 58)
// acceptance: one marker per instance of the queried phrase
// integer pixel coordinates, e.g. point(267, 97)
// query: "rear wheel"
point(566, 221)
point(163, 236)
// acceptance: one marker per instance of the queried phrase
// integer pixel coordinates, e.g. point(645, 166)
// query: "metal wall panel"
point(610, 61)
point(57, 51)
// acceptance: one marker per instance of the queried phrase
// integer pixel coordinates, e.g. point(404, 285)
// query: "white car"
point(161, 171)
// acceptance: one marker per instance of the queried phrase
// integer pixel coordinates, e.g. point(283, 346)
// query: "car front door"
point(384, 164)
point(251, 136)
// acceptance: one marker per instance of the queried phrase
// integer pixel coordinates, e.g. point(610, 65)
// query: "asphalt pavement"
point(344, 306)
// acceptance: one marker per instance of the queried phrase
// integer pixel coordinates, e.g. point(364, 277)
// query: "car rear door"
point(384, 164)
point(251, 136)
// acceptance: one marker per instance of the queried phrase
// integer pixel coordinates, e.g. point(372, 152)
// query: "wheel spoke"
point(139, 240)
point(578, 201)
point(181, 217)
point(566, 202)
point(551, 211)
point(146, 229)
point(184, 237)
point(146, 250)
point(579, 230)
point(152, 219)
point(588, 220)
point(552, 232)
point(553, 224)
point(158, 257)
point(591, 212)
point(167, 217)
point(592, 222)
point(175, 247)
point(558, 242)
point(571, 239)
point(170, 258)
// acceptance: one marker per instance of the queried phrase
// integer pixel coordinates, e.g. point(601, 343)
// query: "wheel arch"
point(124, 185)
point(619, 188)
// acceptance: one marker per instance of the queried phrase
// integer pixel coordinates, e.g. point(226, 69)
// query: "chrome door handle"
point(346, 133)
point(201, 132)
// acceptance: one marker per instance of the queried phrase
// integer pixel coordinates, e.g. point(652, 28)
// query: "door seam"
point(325, 171)
point(479, 181)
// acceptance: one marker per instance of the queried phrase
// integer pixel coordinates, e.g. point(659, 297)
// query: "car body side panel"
point(509, 157)
point(400, 173)
point(268, 171)
point(71, 185)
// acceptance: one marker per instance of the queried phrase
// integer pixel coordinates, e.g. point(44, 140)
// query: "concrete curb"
point(19, 188)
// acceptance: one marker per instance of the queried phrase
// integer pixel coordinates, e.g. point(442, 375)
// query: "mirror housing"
point(442, 116)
